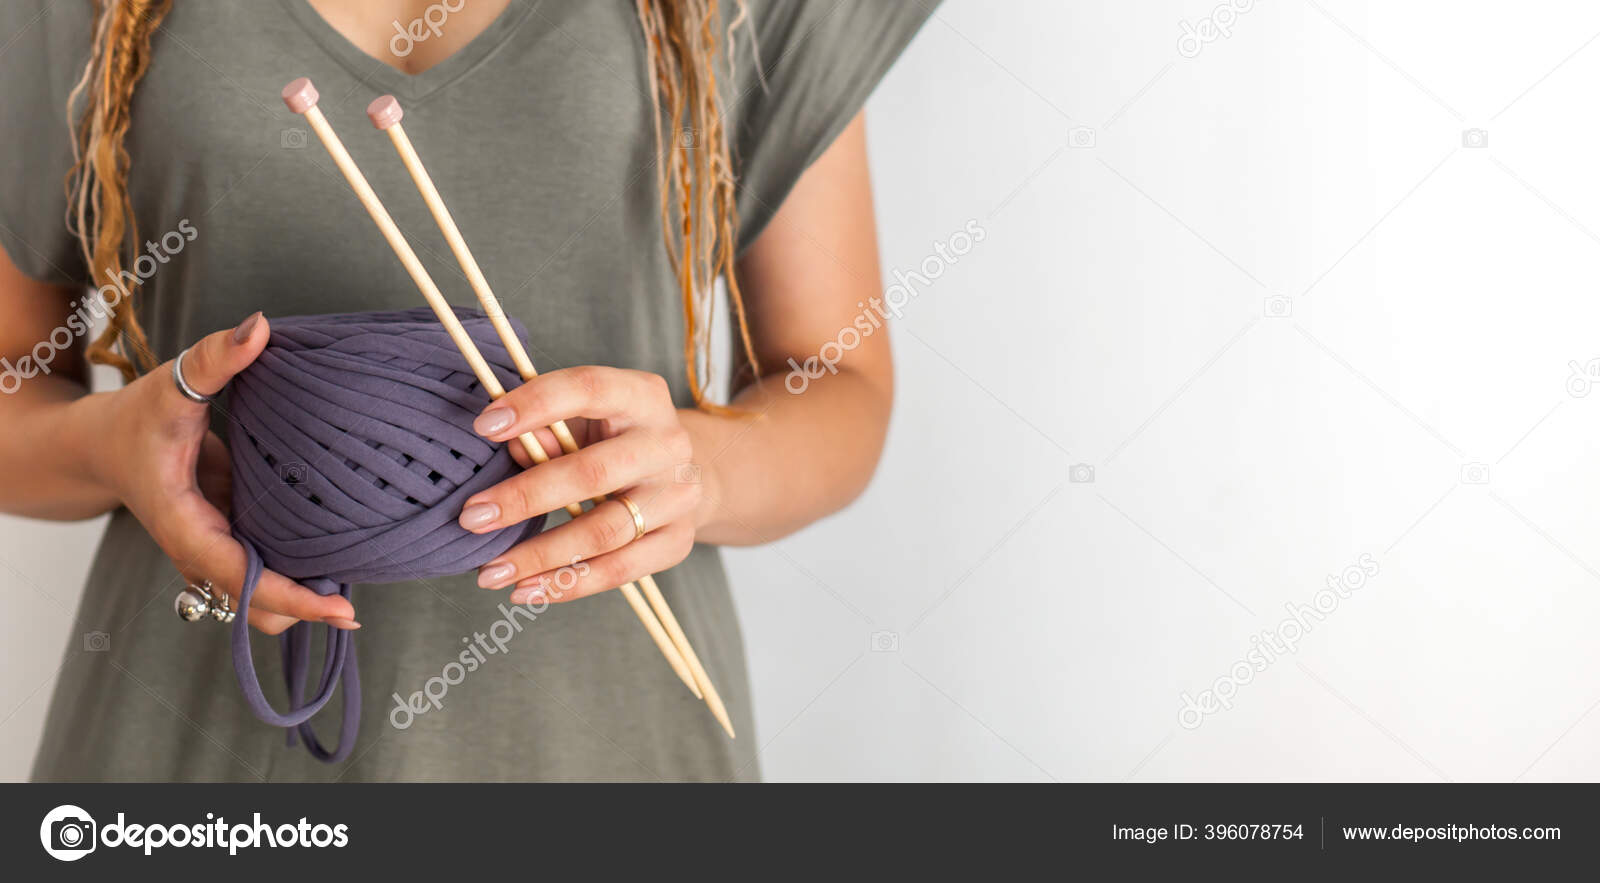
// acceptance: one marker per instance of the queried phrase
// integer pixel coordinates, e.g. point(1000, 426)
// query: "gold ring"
point(638, 517)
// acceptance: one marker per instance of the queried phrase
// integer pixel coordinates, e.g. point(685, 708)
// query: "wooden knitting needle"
point(301, 97)
point(385, 113)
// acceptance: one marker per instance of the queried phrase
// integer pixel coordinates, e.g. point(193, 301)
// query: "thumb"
point(212, 362)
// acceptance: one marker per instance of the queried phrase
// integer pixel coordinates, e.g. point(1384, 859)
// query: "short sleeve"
point(43, 47)
point(819, 60)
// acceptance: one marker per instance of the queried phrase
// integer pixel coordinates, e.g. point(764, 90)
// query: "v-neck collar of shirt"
point(412, 87)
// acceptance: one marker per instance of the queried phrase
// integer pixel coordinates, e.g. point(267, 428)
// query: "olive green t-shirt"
point(538, 134)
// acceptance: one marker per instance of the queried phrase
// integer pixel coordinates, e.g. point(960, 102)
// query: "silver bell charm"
point(195, 603)
point(191, 606)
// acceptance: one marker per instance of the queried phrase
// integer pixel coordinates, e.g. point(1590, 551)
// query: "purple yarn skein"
point(353, 452)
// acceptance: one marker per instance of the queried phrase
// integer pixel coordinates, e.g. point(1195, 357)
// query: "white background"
point(978, 615)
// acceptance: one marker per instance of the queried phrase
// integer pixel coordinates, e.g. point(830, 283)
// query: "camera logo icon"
point(687, 473)
point(292, 474)
point(67, 833)
point(292, 139)
point(884, 642)
point(1475, 138)
point(1474, 473)
point(96, 642)
point(1277, 307)
point(1081, 138)
point(1080, 473)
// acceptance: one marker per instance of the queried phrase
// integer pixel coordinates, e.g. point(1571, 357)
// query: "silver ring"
point(196, 602)
point(183, 385)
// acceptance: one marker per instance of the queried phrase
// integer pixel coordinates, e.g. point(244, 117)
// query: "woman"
point(608, 162)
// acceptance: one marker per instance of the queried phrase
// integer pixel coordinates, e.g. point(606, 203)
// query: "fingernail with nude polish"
point(242, 333)
point(340, 622)
point(479, 515)
point(496, 574)
point(492, 421)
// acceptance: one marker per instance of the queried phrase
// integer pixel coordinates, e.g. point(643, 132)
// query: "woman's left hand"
point(633, 444)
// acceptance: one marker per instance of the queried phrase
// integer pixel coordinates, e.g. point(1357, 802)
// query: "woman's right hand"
point(152, 448)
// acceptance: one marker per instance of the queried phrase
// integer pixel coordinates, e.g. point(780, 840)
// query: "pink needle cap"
point(384, 111)
point(300, 95)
